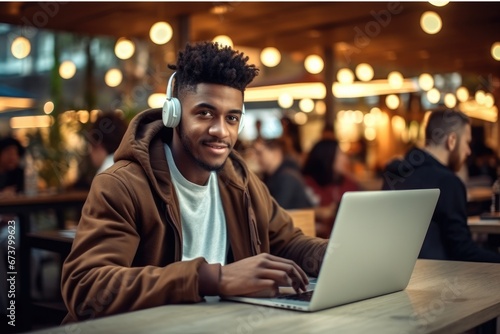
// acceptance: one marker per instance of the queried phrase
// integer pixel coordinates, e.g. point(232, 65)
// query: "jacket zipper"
point(254, 235)
point(178, 244)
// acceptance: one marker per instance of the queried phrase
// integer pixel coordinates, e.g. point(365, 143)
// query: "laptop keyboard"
point(304, 296)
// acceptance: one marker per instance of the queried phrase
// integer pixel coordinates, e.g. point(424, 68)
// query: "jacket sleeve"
point(284, 239)
point(99, 276)
point(454, 229)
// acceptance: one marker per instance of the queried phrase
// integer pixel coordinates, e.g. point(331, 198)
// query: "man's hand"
point(261, 276)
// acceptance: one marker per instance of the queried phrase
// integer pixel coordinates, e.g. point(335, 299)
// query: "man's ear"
point(451, 141)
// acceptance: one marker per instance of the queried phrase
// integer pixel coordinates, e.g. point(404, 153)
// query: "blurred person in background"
point(326, 173)
point(11, 183)
point(106, 134)
point(447, 140)
point(281, 174)
point(11, 172)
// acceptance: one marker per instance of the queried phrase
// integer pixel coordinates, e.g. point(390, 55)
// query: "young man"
point(447, 138)
point(179, 216)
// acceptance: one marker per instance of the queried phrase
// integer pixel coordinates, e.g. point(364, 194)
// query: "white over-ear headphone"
point(171, 114)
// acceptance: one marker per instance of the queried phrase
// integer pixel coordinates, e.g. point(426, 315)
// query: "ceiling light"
point(306, 105)
point(392, 101)
point(285, 100)
point(161, 33)
point(21, 47)
point(345, 76)
point(113, 77)
point(67, 69)
point(270, 56)
point(48, 107)
point(395, 79)
point(462, 94)
point(480, 96)
point(430, 22)
point(364, 72)
point(124, 48)
point(438, 3)
point(433, 95)
point(223, 40)
point(300, 118)
point(156, 100)
point(489, 100)
point(314, 64)
point(425, 81)
point(495, 51)
point(450, 100)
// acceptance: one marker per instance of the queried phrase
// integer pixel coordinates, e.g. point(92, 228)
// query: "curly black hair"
point(209, 62)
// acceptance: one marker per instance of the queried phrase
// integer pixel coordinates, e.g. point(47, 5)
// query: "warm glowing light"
point(438, 3)
point(67, 69)
point(48, 107)
point(489, 100)
point(369, 120)
point(312, 90)
point(450, 100)
point(124, 48)
point(161, 33)
point(480, 96)
point(314, 64)
point(392, 101)
point(83, 116)
point(25, 122)
point(433, 95)
point(395, 79)
point(398, 123)
point(300, 118)
point(320, 107)
point(113, 77)
point(370, 134)
point(425, 81)
point(285, 100)
point(223, 40)
point(270, 56)
point(462, 94)
point(21, 47)
point(430, 22)
point(306, 105)
point(495, 51)
point(156, 100)
point(364, 72)
point(345, 76)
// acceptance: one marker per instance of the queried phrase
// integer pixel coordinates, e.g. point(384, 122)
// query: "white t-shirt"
point(202, 216)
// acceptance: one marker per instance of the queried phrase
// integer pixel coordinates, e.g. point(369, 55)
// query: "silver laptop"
point(372, 250)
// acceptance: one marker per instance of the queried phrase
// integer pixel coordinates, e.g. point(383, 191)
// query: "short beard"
point(187, 148)
point(454, 162)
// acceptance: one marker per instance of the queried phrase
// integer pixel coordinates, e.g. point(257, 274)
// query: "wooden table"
point(23, 207)
point(488, 226)
point(442, 297)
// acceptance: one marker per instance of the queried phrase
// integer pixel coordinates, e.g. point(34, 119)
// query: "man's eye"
point(233, 118)
point(205, 113)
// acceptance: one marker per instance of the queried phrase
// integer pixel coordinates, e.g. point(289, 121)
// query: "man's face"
point(208, 129)
point(461, 150)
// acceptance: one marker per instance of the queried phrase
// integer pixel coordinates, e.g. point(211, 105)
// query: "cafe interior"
point(368, 72)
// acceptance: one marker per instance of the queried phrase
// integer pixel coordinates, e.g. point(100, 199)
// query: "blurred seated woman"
point(281, 174)
point(326, 173)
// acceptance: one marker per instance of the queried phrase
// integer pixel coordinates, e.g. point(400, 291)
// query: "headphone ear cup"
point(242, 120)
point(171, 114)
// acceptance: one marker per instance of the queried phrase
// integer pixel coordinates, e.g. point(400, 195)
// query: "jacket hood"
point(143, 144)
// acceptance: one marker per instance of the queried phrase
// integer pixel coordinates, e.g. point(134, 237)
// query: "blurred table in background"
point(478, 200)
point(23, 207)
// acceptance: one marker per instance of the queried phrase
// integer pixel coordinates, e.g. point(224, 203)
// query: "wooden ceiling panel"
point(469, 28)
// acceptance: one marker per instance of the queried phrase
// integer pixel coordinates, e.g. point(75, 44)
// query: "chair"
point(304, 219)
